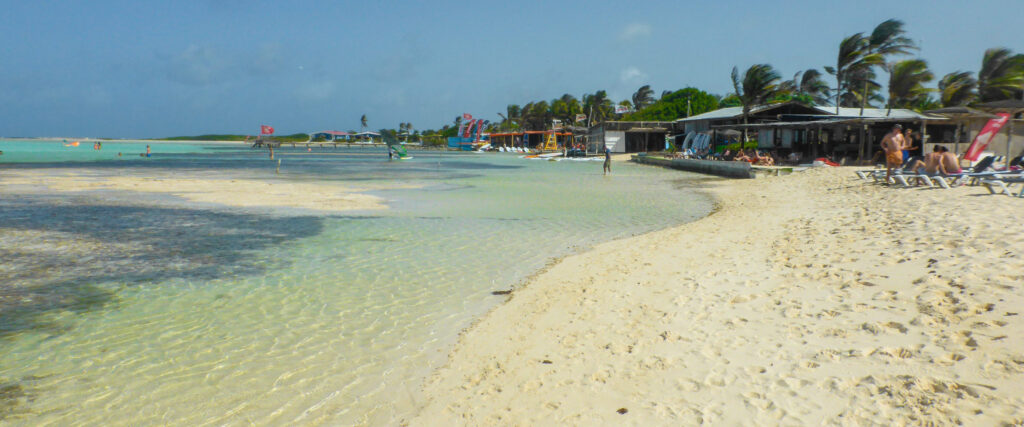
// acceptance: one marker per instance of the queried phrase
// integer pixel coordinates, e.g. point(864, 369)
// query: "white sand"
point(328, 197)
point(806, 299)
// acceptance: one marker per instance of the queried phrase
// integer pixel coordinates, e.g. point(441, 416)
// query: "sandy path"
point(807, 299)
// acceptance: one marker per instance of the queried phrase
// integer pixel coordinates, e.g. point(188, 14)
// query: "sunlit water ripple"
point(121, 310)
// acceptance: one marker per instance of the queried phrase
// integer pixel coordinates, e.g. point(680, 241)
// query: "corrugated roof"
point(826, 110)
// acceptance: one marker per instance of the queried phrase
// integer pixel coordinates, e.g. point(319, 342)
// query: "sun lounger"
point(905, 179)
point(970, 175)
point(879, 174)
point(1002, 185)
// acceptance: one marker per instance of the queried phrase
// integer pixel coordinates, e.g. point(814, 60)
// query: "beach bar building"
point(813, 131)
point(629, 137)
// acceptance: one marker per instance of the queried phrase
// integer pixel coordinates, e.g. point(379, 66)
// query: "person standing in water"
point(148, 152)
point(607, 160)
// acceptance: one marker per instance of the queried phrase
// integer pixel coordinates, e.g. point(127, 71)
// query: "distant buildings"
point(329, 135)
point(809, 130)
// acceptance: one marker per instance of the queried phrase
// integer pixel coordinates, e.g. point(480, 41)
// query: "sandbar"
point(238, 192)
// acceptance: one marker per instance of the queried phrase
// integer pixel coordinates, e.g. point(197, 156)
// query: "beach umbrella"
point(1012, 106)
point(960, 115)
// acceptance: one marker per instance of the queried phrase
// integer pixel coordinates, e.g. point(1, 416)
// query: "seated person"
point(950, 164)
point(741, 156)
point(931, 165)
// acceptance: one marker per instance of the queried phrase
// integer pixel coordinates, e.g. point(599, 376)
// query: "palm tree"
point(807, 83)
point(957, 88)
point(906, 83)
point(852, 60)
point(886, 40)
point(760, 82)
point(643, 97)
point(1001, 75)
point(363, 121)
point(601, 105)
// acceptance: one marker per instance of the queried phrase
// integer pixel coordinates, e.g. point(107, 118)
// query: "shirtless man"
point(950, 164)
point(892, 143)
point(932, 164)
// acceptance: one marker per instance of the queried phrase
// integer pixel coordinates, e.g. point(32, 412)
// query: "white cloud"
point(632, 75)
point(634, 31)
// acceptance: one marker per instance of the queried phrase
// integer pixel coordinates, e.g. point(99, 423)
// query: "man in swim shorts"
point(892, 144)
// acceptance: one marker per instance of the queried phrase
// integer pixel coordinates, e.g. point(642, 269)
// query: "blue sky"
point(151, 69)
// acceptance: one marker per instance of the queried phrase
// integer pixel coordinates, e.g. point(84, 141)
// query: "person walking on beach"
point(607, 160)
point(892, 143)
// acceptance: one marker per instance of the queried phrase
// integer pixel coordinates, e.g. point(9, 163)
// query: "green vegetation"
point(295, 137)
point(681, 103)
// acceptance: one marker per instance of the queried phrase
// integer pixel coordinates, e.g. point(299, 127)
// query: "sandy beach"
point(807, 299)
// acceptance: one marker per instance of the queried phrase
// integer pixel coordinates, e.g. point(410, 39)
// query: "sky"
point(142, 69)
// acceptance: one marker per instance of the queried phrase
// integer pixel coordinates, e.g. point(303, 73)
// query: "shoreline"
point(783, 314)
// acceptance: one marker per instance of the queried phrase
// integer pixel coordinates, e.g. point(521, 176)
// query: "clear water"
point(118, 310)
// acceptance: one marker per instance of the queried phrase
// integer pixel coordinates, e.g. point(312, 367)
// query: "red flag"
point(266, 130)
point(981, 141)
point(467, 117)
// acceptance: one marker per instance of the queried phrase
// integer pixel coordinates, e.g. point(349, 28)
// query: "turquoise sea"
point(121, 308)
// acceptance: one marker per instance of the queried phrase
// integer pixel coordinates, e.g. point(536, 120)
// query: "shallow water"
point(147, 310)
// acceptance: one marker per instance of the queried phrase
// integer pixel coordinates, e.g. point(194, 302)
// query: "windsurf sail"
point(393, 144)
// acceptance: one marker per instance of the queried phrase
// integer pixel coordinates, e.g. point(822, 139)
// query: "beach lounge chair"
point(879, 174)
point(970, 175)
point(1001, 185)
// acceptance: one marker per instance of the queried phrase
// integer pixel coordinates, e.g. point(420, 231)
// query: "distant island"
point(296, 137)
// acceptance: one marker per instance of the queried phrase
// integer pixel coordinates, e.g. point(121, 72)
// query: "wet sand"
point(813, 298)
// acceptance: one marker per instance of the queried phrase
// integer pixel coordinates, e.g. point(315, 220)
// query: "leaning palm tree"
point(887, 39)
point(813, 86)
point(1001, 75)
point(906, 83)
point(759, 83)
point(852, 60)
point(643, 97)
point(600, 104)
point(957, 88)
point(807, 83)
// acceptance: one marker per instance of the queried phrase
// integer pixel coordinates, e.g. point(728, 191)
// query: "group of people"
point(754, 157)
point(939, 161)
point(575, 150)
point(897, 144)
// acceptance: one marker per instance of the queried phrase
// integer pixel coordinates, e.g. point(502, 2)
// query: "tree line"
point(862, 61)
